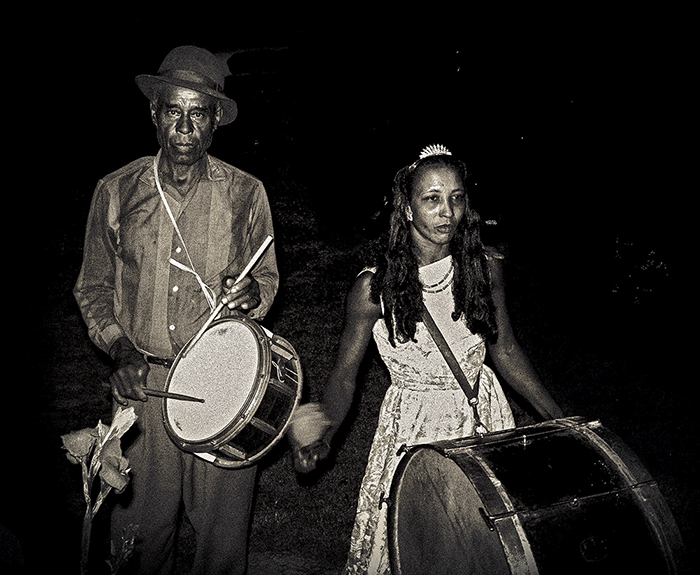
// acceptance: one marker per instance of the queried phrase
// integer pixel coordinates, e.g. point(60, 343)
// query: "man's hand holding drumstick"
point(244, 295)
point(128, 381)
point(244, 291)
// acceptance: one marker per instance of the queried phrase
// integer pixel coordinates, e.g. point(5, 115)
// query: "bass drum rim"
point(464, 491)
point(512, 519)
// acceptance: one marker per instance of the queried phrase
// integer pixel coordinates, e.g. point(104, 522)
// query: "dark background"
point(573, 122)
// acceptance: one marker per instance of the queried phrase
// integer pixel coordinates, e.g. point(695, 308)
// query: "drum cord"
point(453, 364)
point(208, 292)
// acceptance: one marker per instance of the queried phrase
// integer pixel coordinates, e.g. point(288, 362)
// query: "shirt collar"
point(212, 171)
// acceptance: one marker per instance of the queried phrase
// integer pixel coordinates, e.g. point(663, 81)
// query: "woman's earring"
point(409, 214)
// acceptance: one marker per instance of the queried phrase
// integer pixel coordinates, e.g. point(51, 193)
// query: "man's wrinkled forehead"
point(176, 96)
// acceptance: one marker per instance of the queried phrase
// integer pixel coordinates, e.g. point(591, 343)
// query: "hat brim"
point(148, 83)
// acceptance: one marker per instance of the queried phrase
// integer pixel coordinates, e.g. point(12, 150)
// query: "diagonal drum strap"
point(472, 394)
point(209, 294)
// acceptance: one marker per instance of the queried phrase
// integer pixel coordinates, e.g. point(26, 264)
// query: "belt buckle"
point(168, 363)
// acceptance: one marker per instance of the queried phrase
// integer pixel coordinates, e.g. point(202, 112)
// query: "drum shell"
point(266, 420)
point(565, 496)
point(266, 412)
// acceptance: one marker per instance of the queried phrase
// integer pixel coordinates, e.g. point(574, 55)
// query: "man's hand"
point(244, 296)
point(130, 371)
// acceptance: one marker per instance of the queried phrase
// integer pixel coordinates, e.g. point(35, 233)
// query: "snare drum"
point(250, 380)
point(564, 496)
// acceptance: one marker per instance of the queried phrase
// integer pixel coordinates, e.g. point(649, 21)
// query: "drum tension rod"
point(487, 519)
point(280, 375)
point(284, 374)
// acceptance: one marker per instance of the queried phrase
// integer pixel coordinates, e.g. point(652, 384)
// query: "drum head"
point(221, 368)
point(434, 521)
point(564, 496)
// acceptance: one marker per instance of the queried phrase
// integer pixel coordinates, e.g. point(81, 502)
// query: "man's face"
point(185, 121)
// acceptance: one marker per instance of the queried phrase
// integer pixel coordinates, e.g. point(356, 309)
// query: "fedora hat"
point(196, 69)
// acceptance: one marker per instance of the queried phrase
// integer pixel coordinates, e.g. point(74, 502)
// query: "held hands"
point(244, 295)
point(309, 435)
point(307, 458)
point(130, 371)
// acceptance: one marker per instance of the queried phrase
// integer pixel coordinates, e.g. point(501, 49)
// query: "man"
point(163, 235)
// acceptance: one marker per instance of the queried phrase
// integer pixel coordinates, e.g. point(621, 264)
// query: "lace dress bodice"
point(419, 365)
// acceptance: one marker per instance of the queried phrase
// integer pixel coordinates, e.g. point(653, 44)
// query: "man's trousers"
point(165, 481)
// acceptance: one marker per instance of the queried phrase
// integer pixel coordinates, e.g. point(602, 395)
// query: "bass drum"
point(562, 497)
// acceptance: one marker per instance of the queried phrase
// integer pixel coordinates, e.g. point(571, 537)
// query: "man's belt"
point(160, 361)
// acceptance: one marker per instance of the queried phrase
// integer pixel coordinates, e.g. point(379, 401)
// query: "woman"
point(435, 256)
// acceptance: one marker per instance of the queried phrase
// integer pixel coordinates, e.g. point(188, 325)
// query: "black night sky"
point(569, 123)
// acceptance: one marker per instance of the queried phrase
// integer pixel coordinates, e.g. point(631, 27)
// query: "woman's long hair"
point(396, 282)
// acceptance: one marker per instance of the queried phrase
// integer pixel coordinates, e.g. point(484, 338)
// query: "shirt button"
point(171, 328)
point(175, 288)
point(178, 250)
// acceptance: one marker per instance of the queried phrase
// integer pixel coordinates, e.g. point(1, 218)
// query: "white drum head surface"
point(221, 368)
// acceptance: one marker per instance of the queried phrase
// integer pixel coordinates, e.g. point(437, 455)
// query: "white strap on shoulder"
point(208, 292)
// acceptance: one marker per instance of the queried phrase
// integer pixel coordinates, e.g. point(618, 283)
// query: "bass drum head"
point(222, 369)
point(436, 508)
point(564, 496)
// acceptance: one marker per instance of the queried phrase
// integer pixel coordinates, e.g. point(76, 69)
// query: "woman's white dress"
point(423, 404)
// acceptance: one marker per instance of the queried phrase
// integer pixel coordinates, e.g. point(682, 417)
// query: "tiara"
point(434, 150)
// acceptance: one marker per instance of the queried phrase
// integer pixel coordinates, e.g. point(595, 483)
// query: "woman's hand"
point(306, 459)
point(309, 435)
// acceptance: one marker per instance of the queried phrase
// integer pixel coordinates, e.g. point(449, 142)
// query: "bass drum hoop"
point(502, 527)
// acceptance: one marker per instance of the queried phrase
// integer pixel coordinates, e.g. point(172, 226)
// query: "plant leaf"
point(79, 444)
point(122, 421)
point(114, 472)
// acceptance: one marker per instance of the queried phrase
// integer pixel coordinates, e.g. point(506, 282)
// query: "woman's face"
point(438, 202)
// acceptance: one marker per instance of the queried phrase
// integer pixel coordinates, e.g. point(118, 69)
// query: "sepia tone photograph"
point(383, 291)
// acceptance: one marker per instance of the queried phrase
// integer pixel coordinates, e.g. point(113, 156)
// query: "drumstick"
point(254, 259)
point(221, 305)
point(169, 395)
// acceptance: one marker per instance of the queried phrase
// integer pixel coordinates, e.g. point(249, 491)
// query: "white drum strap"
point(208, 292)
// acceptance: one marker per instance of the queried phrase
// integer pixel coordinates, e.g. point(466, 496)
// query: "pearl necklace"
point(442, 284)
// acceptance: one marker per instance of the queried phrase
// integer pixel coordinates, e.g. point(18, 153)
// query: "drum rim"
point(227, 463)
point(639, 484)
point(249, 405)
point(394, 504)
